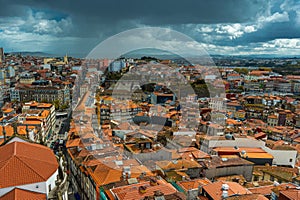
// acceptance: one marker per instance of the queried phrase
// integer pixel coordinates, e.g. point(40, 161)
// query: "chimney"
point(224, 194)
point(142, 189)
point(153, 182)
point(142, 175)
point(225, 188)
point(126, 172)
point(158, 193)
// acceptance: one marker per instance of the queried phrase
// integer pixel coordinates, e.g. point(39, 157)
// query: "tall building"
point(1, 54)
point(41, 93)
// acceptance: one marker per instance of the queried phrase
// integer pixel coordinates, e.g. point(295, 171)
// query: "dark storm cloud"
point(222, 25)
point(92, 16)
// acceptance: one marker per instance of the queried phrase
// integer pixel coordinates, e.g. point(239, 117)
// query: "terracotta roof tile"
point(248, 197)
point(179, 164)
point(104, 174)
point(290, 194)
point(132, 192)
point(214, 190)
point(193, 184)
point(267, 190)
point(74, 143)
point(24, 163)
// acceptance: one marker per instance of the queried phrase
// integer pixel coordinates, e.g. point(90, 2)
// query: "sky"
point(222, 27)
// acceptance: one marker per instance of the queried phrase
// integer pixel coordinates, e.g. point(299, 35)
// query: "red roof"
point(290, 194)
point(25, 163)
point(215, 192)
point(131, 192)
point(19, 194)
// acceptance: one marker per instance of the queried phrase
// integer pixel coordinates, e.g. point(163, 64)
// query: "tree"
point(241, 70)
point(241, 88)
point(56, 103)
point(64, 106)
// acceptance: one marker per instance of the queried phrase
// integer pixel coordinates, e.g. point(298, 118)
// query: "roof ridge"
point(110, 170)
point(33, 158)
point(34, 145)
point(29, 167)
point(15, 148)
point(7, 162)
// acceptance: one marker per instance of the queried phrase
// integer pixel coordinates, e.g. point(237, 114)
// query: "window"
point(49, 187)
point(291, 160)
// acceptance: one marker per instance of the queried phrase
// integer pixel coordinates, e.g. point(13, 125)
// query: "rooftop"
point(193, 184)
point(20, 194)
point(24, 163)
point(292, 194)
point(214, 190)
point(133, 192)
point(178, 164)
point(216, 162)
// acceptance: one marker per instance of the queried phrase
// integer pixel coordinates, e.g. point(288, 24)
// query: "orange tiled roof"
point(20, 194)
point(248, 197)
point(267, 190)
point(8, 129)
point(290, 194)
point(193, 184)
point(44, 105)
point(104, 175)
point(215, 192)
point(132, 192)
point(74, 143)
point(179, 164)
point(200, 154)
point(36, 122)
point(258, 155)
point(8, 110)
point(234, 150)
point(24, 163)
point(272, 116)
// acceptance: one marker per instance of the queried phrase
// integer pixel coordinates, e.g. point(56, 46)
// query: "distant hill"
point(35, 53)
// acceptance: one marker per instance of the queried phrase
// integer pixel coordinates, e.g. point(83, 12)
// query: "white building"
point(281, 157)
point(31, 168)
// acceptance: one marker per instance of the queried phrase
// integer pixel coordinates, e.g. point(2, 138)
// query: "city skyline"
point(221, 28)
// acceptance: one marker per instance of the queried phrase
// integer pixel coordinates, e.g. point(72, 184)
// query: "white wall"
point(40, 187)
point(282, 157)
point(16, 139)
point(51, 181)
point(239, 142)
point(35, 187)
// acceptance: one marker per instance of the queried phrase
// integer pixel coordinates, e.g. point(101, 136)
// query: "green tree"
point(56, 103)
point(241, 70)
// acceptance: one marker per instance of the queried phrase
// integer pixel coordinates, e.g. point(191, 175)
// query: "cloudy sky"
point(227, 27)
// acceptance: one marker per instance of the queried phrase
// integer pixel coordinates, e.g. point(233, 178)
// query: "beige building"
point(272, 120)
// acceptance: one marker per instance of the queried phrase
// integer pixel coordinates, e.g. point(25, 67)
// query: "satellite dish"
point(243, 152)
